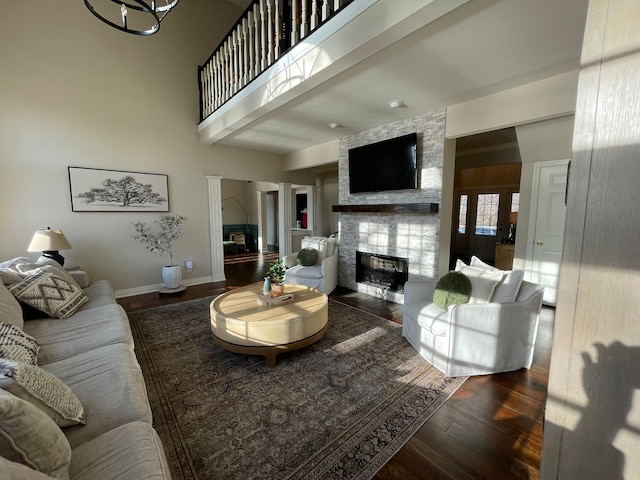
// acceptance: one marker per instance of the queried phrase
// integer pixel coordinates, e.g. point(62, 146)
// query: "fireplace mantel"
point(388, 208)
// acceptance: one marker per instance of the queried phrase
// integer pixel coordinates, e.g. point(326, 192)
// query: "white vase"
point(172, 275)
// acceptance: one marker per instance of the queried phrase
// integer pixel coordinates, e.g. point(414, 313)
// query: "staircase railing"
point(266, 30)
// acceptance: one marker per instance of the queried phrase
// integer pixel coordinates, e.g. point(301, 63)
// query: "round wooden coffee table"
point(240, 324)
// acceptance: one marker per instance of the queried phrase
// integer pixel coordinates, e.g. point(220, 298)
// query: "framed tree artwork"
point(100, 190)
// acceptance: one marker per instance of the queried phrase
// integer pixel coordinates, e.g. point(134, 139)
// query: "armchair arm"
point(329, 270)
point(491, 337)
point(419, 291)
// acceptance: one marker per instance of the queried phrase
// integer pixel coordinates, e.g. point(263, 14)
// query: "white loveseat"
point(493, 335)
point(324, 274)
point(92, 353)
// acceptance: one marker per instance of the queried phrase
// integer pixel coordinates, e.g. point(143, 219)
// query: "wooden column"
point(592, 411)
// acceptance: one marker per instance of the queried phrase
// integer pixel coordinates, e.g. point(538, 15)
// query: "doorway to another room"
point(486, 198)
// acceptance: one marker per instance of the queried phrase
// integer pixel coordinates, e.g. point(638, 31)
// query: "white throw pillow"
point(10, 310)
point(318, 243)
point(507, 290)
point(29, 437)
point(483, 283)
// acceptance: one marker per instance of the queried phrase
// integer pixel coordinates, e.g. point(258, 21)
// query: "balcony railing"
point(266, 31)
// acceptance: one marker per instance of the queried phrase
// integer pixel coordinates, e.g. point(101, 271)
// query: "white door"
point(545, 238)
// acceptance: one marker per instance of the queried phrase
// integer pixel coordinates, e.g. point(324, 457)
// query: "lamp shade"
point(48, 240)
point(513, 217)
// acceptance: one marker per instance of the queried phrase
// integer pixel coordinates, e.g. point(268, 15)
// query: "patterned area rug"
point(338, 409)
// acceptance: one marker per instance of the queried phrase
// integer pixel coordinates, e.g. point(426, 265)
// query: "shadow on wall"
point(609, 382)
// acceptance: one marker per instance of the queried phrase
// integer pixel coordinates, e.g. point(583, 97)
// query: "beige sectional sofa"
point(108, 432)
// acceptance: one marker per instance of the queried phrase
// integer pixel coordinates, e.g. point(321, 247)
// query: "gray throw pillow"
point(31, 438)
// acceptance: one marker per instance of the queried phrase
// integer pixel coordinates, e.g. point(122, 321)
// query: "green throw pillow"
point(307, 257)
point(452, 289)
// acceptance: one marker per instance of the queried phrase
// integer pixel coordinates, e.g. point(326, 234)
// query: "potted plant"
point(168, 228)
point(276, 273)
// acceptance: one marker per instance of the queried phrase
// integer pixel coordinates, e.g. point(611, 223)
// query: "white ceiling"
point(480, 48)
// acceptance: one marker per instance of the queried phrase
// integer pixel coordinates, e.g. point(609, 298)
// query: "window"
point(515, 202)
point(487, 214)
point(462, 214)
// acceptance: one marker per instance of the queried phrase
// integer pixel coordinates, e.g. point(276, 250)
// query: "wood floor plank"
point(491, 428)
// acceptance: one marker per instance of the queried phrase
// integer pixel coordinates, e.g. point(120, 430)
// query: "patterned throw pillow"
point(49, 293)
point(42, 389)
point(17, 345)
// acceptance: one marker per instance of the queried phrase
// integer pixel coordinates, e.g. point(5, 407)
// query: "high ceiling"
point(480, 48)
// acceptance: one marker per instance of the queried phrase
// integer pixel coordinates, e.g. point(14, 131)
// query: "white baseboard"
point(130, 292)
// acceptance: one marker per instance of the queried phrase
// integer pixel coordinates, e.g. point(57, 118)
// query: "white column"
point(311, 209)
point(262, 220)
point(285, 214)
point(215, 228)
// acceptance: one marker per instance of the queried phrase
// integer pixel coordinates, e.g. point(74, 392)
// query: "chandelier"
point(139, 17)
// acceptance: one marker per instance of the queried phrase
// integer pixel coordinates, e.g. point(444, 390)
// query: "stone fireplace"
point(368, 224)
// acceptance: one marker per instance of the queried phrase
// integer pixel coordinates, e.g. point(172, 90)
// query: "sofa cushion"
point(131, 451)
point(30, 437)
point(18, 471)
point(299, 271)
point(17, 345)
point(483, 283)
point(43, 390)
point(507, 290)
point(451, 289)
point(99, 293)
point(307, 257)
point(10, 310)
point(109, 383)
point(84, 331)
point(49, 293)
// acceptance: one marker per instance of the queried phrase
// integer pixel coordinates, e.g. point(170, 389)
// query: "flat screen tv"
point(384, 166)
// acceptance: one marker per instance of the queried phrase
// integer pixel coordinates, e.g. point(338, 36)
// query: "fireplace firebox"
point(382, 271)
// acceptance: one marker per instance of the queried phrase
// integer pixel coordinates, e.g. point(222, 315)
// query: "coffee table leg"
point(271, 359)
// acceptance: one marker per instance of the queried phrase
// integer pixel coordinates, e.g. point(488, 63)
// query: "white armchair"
point(324, 274)
point(472, 338)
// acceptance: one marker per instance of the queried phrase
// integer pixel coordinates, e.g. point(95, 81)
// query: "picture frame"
point(103, 190)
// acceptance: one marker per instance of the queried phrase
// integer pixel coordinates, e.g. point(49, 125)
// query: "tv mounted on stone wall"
point(384, 166)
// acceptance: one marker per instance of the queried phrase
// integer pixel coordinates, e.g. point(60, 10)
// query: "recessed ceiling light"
point(396, 103)
point(334, 125)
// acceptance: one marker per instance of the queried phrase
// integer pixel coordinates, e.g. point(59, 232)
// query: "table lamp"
point(49, 242)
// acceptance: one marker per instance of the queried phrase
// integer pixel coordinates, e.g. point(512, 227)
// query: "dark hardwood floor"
point(491, 428)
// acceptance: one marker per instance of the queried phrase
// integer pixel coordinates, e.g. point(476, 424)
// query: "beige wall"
point(75, 92)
